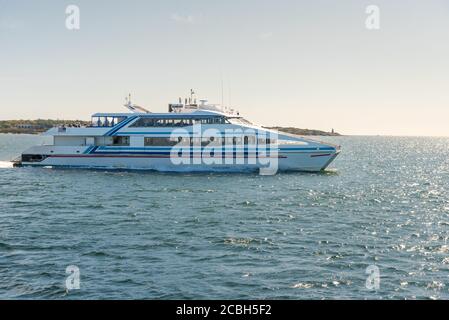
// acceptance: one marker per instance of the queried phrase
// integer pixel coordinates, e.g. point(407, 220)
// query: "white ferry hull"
point(286, 161)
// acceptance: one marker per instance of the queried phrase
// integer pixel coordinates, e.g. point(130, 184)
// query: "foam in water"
point(5, 164)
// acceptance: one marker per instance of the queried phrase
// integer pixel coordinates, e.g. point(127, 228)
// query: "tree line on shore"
point(42, 125)
point(36, 126)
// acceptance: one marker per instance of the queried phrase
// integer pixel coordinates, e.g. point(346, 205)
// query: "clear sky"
point(309, 64)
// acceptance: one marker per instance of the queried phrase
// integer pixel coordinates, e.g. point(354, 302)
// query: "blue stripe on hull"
point(169, 133)
point(210, 148)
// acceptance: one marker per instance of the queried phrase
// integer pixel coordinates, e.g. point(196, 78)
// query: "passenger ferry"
point(191, 136)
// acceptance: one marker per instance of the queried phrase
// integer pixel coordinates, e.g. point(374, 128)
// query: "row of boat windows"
point(155, 122)
point(163, 122)
point(210, 141)
point(187, 141)
point(120, 141)
point(33, 157)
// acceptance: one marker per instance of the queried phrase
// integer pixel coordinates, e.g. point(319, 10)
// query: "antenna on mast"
point(222, 93)
point(128, 103)
point(229, 92)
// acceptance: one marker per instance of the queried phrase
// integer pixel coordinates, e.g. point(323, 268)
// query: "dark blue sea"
point(382, 205)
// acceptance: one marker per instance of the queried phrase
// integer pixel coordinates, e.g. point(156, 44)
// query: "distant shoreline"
point(304, 132)
point(36, 126)
point(42, 125)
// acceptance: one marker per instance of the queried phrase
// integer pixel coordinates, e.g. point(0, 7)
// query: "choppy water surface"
point(384, 202)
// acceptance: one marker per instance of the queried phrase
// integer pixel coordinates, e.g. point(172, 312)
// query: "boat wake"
point(6, 164)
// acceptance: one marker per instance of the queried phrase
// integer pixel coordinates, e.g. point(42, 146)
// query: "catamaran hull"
point(305, 161)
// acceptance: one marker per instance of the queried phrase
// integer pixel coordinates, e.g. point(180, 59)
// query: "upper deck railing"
point(106, 121)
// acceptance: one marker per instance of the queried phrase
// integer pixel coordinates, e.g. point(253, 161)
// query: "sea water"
point(383, 205)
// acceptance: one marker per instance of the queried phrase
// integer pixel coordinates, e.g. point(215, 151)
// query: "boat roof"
point(202, 113)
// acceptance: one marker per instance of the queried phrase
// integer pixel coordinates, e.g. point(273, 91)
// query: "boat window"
point(144, 122)
point(205, 141)
point(249, 140)
point(184, 141)
point(266, 141)
point(119, 141)
point(211, 141)
point(237, 140)
point(160, 141)
point(176, 122)
point(155, 122)
point(195, 141)
point(212, 120)
point(33, 157)
point(220, 120)
point(182, 122)
point(228, 141)
point(252, 139)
